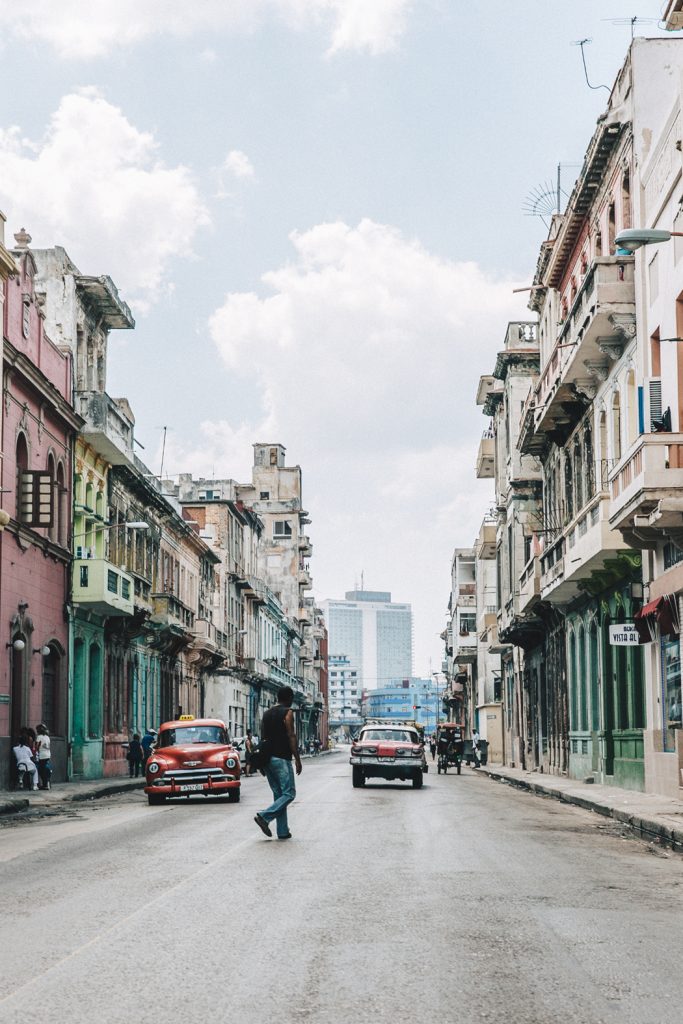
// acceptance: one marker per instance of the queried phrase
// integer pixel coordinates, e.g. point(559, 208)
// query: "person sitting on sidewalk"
point(25, 762)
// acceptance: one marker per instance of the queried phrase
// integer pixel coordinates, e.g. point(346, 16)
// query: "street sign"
point(623, 635)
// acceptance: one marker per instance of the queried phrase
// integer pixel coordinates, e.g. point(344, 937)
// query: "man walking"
point(277, 733)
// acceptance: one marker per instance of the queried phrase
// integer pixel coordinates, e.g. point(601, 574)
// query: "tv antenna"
point(545, 200)
point(633, 22)
point(582, 43)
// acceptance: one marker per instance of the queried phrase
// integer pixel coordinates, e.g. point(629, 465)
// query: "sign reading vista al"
point(623, 635)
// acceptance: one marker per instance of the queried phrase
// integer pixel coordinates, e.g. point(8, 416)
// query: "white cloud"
point(96, 184)
point(371, 25)
point(367, 350)
point(239, 164)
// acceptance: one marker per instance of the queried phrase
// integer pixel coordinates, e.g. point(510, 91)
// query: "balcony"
point(103, 588)
point(486, 456)
point(599, 324)
point(305, 579)
point(170, 610)
point(465, 595)
point(589, 548)
point(530, 585)
point(486, 621)
point(485, 545)
point(108, 427)
point(465, 648)
point(647, 479)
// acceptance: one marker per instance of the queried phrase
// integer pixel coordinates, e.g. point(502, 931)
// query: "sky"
point(317, 212)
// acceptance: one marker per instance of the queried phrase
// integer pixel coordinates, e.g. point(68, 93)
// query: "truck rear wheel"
point(358, 777)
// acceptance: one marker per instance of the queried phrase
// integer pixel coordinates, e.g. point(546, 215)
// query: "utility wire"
point(582, 43)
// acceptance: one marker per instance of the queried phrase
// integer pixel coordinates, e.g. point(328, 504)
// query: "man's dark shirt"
point(273, 729)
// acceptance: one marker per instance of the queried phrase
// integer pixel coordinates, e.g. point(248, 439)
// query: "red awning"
point(663, 612)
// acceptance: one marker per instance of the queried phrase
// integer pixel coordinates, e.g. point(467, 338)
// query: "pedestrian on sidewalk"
point(43, 753)
point(279, 737)
point(135, 756)
point(432, 746)
point(24, 757)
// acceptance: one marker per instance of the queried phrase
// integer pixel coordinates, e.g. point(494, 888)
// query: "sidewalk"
point(652, 816)
point(12, 801)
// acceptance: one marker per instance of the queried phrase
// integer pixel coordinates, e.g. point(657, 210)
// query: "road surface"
point(465, 900)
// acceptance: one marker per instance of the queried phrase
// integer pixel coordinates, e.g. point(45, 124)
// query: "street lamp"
point(114, 526)
point(634, 238)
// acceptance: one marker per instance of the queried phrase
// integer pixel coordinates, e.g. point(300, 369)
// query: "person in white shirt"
point(44, 762)
point(22, 754)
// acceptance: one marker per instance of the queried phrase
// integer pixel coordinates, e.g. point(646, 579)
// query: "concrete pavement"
point(652, 816)
point(13, 801)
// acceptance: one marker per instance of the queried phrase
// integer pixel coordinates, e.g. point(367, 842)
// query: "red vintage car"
point(193, 756)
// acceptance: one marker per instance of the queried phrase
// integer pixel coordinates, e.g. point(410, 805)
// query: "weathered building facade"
point(39, 426)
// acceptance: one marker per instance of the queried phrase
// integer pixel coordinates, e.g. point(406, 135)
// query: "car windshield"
point(395, 735)
point(192, 734)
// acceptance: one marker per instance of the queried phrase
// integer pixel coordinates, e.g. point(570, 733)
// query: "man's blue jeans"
point(280, 775)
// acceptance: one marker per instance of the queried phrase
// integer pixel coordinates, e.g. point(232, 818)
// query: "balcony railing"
point(598, 325)
point(652, 469)
point(486, 456)
point(107, 427)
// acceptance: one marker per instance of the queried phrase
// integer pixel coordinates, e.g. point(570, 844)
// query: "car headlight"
point(153, 767)
point(401, 753)
point(230, 762)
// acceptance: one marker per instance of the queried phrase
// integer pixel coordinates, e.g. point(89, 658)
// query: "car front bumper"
point(211, 787)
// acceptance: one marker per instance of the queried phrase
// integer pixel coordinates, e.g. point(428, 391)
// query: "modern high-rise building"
point(374, 633)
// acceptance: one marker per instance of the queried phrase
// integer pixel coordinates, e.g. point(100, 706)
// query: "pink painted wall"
point(31, 569)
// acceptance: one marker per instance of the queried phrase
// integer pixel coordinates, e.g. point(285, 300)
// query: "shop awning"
point(662, 613)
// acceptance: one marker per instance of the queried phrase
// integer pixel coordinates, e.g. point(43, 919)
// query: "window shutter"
point(36, 498)
point(655, 389)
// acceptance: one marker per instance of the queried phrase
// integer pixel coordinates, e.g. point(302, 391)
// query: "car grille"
point(185, 775)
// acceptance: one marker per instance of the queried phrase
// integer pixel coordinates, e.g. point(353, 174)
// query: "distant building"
point(374, 633)
point(418, 700)
point(345, 693)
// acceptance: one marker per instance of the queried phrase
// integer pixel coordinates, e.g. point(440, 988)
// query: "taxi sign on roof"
point(186, 718)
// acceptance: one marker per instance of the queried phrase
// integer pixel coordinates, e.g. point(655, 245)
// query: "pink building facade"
point(39, 426)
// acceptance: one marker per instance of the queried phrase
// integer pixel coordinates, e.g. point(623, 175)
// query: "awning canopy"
point(662, 613)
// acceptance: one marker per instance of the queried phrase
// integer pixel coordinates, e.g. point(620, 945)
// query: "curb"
point(649, 828)
point(95, 794)
point(12, 806)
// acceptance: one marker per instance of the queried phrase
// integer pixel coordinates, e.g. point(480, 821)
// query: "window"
point(264, 495)
point(671, 691)
point(112, 582)
point(84, 576)
point(125, 589)
point(282, 528)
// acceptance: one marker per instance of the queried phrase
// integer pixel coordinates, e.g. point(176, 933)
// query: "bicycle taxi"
point(450, 747)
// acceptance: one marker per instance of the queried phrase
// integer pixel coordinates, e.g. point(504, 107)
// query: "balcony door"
point(608, 669)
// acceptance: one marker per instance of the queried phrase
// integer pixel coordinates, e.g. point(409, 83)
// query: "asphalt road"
point(463, 901)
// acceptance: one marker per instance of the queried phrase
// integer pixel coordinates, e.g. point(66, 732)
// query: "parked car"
point(193, 756)
point(388, 752)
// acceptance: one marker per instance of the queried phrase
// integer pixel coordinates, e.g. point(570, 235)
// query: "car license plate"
point(385, 759)
point(192, 788)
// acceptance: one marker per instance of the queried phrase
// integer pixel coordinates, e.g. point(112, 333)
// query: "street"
point(466, 900)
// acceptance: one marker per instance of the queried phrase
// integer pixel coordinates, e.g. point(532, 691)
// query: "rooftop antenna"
point(163, 452)
point(545, 200)
point(582, 43)
point(635, 20)
point(362, 580)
